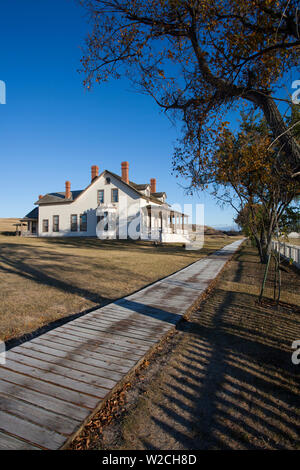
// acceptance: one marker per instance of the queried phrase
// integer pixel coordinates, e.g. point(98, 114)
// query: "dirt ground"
point(223, 380)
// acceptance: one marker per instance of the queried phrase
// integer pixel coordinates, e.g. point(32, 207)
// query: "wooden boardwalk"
point(50, 385)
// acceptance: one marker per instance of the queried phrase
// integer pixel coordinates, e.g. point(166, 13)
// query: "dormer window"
point(114, 195)
point(100, 196)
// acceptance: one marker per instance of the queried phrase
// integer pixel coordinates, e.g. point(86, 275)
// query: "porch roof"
point(165, 208)
point(32, 215)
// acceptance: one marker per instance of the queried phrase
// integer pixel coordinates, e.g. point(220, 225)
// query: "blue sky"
point(53, 130)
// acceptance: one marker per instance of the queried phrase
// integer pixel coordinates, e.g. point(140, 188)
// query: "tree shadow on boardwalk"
point(231, 383)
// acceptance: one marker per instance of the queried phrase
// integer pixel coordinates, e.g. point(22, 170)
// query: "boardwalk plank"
point(97, 347)
point(35, 414)
point(134, 318)
point(120, 326)
point(33, 433)
point(99, 340)
point(56, 379)
point(50, 367)
point(8, 442)
point(122, 333)
point(44, 401)
point(130, 323)
point(101, 358)
point(121, 338)
point(71, 362)
point(53, 390)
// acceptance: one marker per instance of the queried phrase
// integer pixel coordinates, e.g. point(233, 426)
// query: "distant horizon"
point(219, 227)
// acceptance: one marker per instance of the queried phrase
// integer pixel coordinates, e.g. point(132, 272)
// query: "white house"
point(111, 206)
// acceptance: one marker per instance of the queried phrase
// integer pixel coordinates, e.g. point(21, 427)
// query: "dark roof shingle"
point(58, 197)
point(32, 214)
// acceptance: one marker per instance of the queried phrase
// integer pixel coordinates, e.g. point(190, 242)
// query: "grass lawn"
point(224, 380)
point(43, 280)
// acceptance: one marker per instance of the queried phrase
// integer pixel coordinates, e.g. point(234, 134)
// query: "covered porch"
point(164, 224)
point(28, 225)
point(27, 228)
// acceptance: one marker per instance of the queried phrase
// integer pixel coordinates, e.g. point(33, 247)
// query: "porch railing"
point(156, 233)
point(287, 251)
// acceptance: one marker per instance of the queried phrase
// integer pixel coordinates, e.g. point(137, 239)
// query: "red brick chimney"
point(68, 190)
point(40, 196)
point(95, 171)
point(153, 185)
point(125, 170)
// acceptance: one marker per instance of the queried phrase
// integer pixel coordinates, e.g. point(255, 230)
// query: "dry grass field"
point(7, 225)
point(43, 280)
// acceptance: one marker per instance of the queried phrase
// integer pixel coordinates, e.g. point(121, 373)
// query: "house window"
point(83, 222)
point(100, 196)
point(114, 195)
point(56, 223)
point(107, 180)
point(74, 223)
point(45, 225)
point(102, 217)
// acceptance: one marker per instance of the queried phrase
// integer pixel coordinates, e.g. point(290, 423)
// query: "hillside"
point(193, 229)
point(6, 224)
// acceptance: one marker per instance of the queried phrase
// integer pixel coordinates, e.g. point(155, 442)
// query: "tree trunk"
point(259, 248)
point(264, 244)
point(265, 278)
point(266, 248)
point(263, 247)
point(276, 123)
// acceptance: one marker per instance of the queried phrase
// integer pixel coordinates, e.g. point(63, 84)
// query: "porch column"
point(149, 219)
point(164, 221)
point(171, 221)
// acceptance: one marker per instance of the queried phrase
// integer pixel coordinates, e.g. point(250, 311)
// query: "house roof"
point(32, 214)
point(59, 197)
point(139, 187)
point(165, 208)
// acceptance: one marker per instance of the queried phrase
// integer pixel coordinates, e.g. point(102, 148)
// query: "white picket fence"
point(288, 251)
